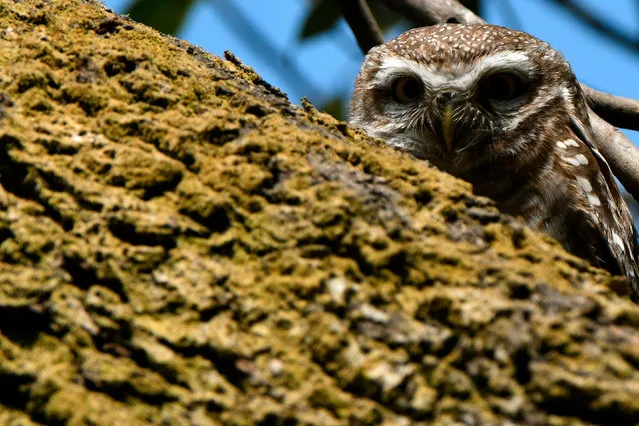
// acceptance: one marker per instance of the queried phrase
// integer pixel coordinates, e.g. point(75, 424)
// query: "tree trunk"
point(181, 245)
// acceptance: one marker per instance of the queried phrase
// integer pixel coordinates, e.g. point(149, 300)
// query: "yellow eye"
point(406, 89)
point(502, 87)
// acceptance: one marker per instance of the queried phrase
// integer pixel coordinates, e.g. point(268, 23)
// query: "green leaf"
point(335, 107)
point(321, 17)
point(167, 16)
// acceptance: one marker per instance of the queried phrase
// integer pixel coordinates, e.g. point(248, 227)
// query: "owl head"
point(458, 94)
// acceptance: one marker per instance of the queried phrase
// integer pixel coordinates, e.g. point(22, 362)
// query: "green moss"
point(85, 96)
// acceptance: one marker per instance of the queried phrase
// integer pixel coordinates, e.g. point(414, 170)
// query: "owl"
point(503, 111)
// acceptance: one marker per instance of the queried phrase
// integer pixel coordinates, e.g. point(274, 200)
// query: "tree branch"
point(621, 154)
point(423, 13)
point(620, 111)
point(363, 23)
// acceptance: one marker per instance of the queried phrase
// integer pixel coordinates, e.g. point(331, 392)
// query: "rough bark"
point(181, 245)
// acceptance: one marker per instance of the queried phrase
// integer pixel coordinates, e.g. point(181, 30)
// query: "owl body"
point(504, 111)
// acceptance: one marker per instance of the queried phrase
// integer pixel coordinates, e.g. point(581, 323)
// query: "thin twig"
point(259, 42)
point(363, 23)
point(599, 25)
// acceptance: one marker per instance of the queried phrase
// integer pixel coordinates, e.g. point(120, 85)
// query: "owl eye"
point(502, 87)
point(406, 89)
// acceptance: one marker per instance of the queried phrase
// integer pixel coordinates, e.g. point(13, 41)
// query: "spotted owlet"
point(502, 110)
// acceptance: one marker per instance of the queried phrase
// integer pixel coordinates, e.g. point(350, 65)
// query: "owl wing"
point(605, 229)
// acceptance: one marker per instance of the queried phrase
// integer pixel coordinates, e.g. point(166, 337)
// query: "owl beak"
point(448, 127)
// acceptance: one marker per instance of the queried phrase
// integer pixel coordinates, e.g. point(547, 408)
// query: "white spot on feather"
point(585, 184)
point(594, 200)
point(577, 160)
point(571, 160)
point(617, 240)
point(582, 159)
point(565, 93)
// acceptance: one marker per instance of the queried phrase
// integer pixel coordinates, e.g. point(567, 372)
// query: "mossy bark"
point(181, 245)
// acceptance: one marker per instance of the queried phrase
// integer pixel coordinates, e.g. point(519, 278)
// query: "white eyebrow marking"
point(462, 77)
point(394, 66)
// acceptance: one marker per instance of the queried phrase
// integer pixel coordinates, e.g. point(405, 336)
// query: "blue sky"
point(330, 63)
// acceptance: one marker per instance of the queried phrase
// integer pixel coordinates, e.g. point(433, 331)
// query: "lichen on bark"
point(179, 244)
